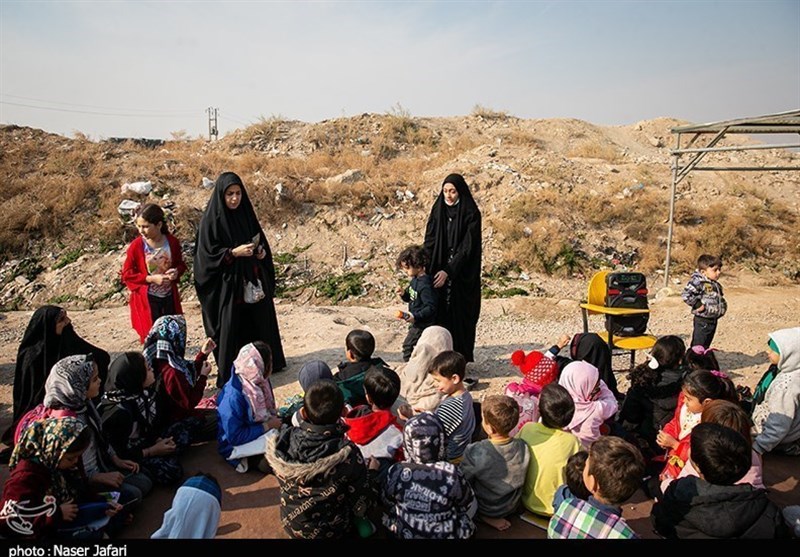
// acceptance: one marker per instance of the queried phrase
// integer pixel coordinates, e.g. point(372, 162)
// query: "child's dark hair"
point(618, 467)
point(323, 402)
point(705, 384)
point(413, 256)
point(729, 414)
point(721, 454)
point(449, 363)
point(556, 406)
point(266, 355)
point(668, 351)
point(574, 474)
point(81, 442)
point(501, 412)
point(699, 357)
point(154, 214)
point(361, 343)
point(382, 385)
point(705, 261)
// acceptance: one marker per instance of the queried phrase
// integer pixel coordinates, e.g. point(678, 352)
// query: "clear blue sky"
point(151, 68)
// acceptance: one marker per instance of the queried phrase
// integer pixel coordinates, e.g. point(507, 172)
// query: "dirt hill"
point(339, 199)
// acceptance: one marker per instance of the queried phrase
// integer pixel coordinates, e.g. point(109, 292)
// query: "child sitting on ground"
point(574, 474)
point(496, 467)
point(594, 402)
point(653, 393)
point(550, 446)
point(712, 505)
point(728, 414)
point(373, 427)
point(776, 412)
point(612, 474)
point(310, 373)
point(359, 346)
point(422, 298)
point(699, 388)
point(456, 410)
point(427, 497)
point(195, 509)
point(322, 476)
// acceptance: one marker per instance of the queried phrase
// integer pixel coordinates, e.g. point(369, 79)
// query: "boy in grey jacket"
point(704, 295)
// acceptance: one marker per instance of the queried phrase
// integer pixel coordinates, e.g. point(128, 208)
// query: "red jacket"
point(376, 433)
point(677, 457)
point(27, 485)
point(134, 275)
point(180, 398)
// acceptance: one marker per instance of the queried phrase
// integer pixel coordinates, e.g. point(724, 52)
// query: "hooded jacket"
point(702, 291)
point(777, 418)
point(377, 434)
point(323, 480)
point(695, 508)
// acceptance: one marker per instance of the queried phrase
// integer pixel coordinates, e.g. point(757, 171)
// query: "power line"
point(99, 107)
point(97, 113)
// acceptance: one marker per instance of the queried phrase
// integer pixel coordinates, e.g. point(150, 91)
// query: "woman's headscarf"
point(195, 511)
point(591, 348)
point(313, 371)
point(424, 439)
point(45, 442)
point(249, 367)
point(580, 379)
point(38, 352)
point(68, 383)
point(124, 386)
point(416, 386)
point(167, 341)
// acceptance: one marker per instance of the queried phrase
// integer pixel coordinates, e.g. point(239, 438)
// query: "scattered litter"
point(142, 188)
point(352, 263)
point(208, 184)
point(127, 209)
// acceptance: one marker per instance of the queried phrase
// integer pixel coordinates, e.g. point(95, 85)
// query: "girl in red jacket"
point(153, 266)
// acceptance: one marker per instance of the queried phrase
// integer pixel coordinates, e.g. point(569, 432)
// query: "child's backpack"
point(537, 371)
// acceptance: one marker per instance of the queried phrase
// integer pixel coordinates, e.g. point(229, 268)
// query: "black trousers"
point(411, 339)
point(703, 333)
point(160, 307)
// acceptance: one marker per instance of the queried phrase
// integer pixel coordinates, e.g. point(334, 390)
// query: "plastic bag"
point(142, 188)
point(253, 292)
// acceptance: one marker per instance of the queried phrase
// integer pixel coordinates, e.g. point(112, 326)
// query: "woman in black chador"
point(48, 338)
point(235, 277)
point(453, 240)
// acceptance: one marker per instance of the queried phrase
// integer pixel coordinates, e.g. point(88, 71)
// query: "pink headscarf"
point(249, 366)
point(591, 409)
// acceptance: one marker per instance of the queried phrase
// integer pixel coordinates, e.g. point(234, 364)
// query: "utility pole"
point(213, 129)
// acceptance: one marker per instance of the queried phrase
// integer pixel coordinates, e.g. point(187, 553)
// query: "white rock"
point(208, 184)
point(142, 188)
point(22, 281)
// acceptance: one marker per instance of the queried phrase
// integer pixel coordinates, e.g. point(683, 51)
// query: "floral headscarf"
point(45, 442)
point(249, 367)
point(167, 341)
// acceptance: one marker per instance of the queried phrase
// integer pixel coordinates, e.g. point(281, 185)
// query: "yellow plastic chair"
point(595, 305)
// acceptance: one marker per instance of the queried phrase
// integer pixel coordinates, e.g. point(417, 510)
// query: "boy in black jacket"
point(421, 297)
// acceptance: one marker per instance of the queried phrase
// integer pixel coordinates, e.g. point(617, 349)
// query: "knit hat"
point(537, 369)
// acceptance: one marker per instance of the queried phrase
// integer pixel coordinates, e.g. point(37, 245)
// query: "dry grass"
point(485, 113)
point(595, 150)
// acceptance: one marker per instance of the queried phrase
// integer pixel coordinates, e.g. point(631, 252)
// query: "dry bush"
point(523, 139)
point(595, 150)
point(479, 111)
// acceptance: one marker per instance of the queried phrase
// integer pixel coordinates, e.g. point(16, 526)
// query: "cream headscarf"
point(416, 386)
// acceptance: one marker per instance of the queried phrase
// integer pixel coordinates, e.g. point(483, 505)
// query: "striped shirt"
point(458, 416)
point(580, 520)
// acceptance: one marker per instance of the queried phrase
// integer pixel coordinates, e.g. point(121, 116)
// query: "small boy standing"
point(704, 295)
point(373, 427)
point(456, 410)
point(421, 296)
point(612, 474)
point(713, 505)
point(550, 446)
point(425, 496)
point(496, 467)
point(359, 346)
point(322, 476)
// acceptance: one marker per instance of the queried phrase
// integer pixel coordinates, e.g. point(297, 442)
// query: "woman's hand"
point(261, 253)
point(125, 464)
point(272, 423)
point(245, 250)
point(162, 447)
point(439, 279)
point(69, 510)
point(113, 508)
